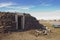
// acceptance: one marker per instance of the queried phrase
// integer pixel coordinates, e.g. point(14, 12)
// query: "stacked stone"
point(7, 20)
point(31, 22)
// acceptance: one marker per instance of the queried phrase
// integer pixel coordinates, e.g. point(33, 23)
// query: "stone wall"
point(7, 20)
point(31, 22)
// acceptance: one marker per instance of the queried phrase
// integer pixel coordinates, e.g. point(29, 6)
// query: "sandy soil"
point(29, 35)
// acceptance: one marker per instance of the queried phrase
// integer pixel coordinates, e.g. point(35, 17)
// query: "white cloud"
point(16, 9)
point(45, 4)
point(14, 6)
point(10, 10)
point(46, 15)
point(20, 7)
point(6, 4)
point(26, 8)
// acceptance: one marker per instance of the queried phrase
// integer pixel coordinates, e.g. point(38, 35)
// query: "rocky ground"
point(31, 35)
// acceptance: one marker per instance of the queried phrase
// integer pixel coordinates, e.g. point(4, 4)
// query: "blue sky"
point(41, 9)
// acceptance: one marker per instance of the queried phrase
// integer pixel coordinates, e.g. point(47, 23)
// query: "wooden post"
point(23, 22)
point(16, 19)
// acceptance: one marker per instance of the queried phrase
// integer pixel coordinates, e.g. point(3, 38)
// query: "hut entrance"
point(19, 22)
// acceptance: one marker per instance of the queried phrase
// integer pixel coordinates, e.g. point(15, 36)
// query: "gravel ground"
point(28, 35)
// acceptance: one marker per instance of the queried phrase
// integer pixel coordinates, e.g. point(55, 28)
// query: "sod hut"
point(18, 21)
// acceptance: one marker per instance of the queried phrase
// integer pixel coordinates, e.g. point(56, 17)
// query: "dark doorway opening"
point(19, 22)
